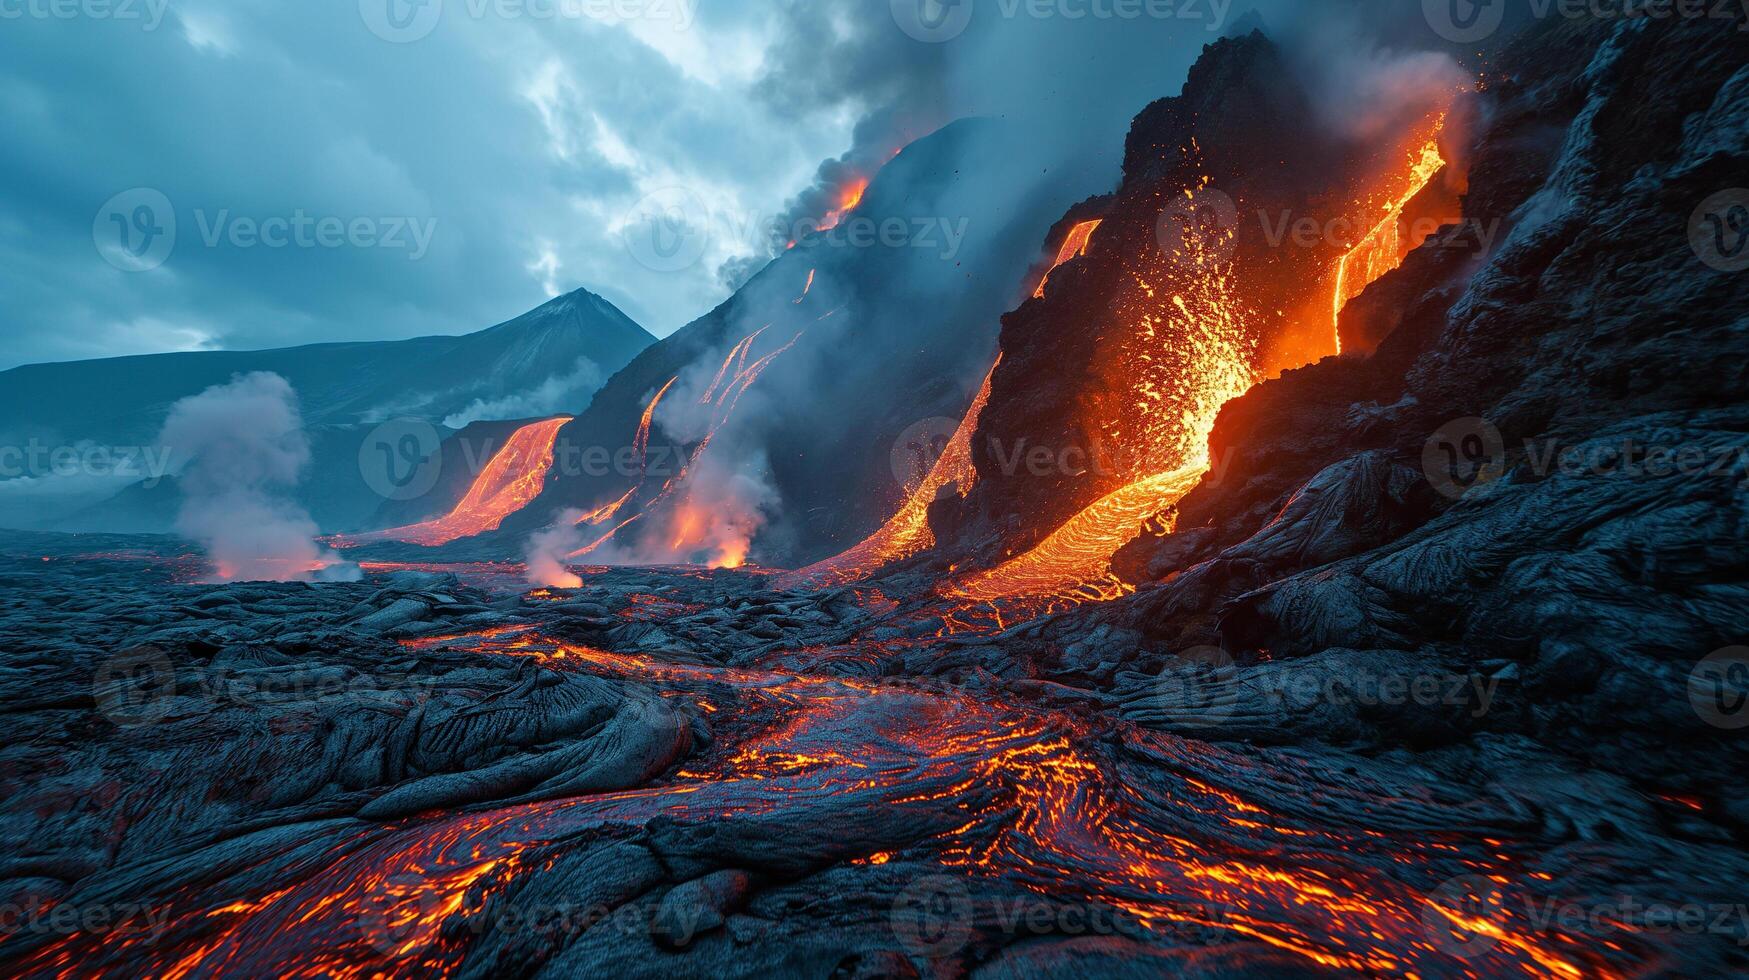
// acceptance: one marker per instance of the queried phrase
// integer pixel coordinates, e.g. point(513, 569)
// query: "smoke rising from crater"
point(243, 448)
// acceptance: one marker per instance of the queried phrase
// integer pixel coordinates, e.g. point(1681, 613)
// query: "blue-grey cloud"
point(306, 159)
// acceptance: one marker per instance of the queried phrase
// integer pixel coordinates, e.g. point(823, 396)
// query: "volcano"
point(1321, 555)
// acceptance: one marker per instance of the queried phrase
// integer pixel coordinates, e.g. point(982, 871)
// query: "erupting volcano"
point(849, 197)
point(1144, 577)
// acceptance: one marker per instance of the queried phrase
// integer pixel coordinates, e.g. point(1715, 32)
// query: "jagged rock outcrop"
point(1588, 376)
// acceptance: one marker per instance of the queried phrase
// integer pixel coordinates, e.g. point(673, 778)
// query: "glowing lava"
point(907, 533)
point(698, 521)
point(1186, 355)
point(1073, 565)
point(849, 196)
point(1077, 244)
point(510, 482)
point(999, 794)
point(1382, 250)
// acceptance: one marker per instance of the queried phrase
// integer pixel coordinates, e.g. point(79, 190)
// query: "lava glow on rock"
point(998, 790)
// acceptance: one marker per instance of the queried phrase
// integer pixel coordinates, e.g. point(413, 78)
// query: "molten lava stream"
point(1073, 564)
point(733, 378)
point(510, 482)
point(1195, 348)
point(1019, 796)
point(1078, 243)
point(907, 533)
point(1382, 250)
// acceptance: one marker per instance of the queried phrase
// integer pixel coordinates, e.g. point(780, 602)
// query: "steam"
point(548, 549)
point(728, 496)
point(1054, 107)
point(556, 395)
point(245, 448)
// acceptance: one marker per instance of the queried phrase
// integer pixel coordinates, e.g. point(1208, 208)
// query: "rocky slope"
point(872, 315)
point(1539, 474)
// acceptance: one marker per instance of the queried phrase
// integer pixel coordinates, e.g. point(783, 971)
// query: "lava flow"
point(1193, 352)
point(907, 533)
point(693, 525)
point(1078, 242)
point(1005, 797)
point(509, 483)
point(1383, 248)
point(1190, 353)
point(849, 196)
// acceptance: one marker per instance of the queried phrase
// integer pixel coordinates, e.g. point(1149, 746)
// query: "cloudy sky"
point(366, 169)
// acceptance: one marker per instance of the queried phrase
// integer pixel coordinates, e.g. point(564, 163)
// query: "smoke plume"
point(244, 447)
point(556, 395)
point(548, 549)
